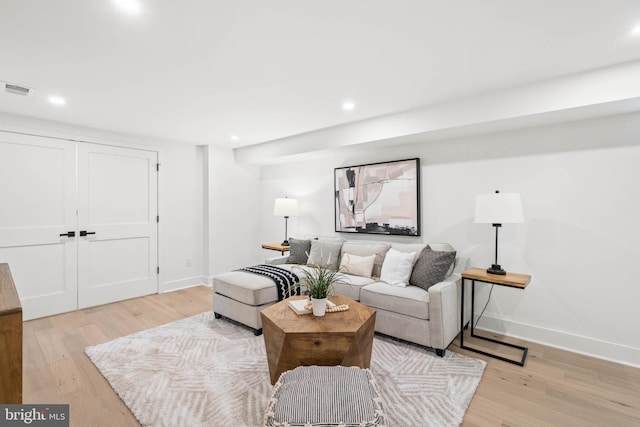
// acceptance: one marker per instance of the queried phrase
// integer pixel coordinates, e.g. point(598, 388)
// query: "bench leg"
point(217, 316)
point(440, 352)
point(257, 332)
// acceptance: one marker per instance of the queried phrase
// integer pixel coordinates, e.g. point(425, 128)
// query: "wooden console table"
point(10, 339)
point(512, 280)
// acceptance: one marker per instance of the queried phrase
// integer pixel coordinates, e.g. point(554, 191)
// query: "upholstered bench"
point(240, 296)
point(325, 396)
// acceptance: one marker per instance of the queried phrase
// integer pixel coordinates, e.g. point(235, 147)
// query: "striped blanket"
point(286, 281)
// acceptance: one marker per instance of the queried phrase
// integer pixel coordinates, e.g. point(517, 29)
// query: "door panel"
point(46, 288)
point(118, 187)
point(37, 193)
point(117, 200)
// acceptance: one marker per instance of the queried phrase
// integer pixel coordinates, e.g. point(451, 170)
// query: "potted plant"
point(319, 281)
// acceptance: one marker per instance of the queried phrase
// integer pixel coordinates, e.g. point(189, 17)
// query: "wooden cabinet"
point(10, 339)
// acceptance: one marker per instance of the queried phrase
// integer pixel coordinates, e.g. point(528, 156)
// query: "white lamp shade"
point(498, 208)
point(285, 207)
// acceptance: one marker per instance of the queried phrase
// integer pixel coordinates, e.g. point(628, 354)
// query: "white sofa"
point(428, 317)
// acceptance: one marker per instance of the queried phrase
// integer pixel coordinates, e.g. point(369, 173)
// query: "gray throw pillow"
point(431, 267)
point(298, 251)
point(325, 253)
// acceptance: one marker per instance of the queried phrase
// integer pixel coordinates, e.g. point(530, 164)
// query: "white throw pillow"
point(357, 265)
point(397, 267)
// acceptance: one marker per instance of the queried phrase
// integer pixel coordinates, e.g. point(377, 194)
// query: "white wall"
point(180, 194)
point(232, 195)
point(580, 237)
point(181, 216)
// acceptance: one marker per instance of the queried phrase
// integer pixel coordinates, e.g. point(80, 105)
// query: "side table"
point(512, 280)
point(276, 247)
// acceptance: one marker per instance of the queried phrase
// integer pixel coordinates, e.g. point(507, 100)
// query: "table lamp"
point(497, 209)
point(285, 207)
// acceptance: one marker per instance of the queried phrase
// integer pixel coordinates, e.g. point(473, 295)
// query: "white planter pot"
point(319, 306)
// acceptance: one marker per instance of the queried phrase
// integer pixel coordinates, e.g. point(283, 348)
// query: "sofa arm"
point(277, 260)
point(444, 318)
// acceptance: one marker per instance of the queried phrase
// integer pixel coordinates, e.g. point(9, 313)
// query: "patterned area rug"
point(200, 371)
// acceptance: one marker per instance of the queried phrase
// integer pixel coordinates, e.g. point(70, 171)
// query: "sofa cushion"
point(357, 265)
point(397, 266)
point(410, 300)
point(325, 252)
point(351, 286)
point(298, 251)
point(362, 248)
point(431, 267)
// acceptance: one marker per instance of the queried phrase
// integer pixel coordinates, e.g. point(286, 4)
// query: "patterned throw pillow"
point(431, 267)
point(298, 251)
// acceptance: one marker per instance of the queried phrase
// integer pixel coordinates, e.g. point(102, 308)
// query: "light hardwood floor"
point(554, 388)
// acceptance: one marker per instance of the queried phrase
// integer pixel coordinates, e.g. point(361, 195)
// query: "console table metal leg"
point(495, 356)
point(462, 313)
point(473, 303)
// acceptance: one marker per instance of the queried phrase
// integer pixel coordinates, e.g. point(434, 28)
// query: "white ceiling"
point(198, 71)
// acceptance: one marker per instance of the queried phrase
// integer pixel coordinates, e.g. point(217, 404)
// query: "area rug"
point(202, 371)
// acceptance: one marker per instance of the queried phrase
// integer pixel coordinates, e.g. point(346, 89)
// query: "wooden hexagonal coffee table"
point(342, 338)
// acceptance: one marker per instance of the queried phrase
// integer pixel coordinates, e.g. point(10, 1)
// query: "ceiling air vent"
point(16, 89)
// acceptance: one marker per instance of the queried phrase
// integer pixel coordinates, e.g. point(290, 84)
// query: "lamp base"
point(496, 269)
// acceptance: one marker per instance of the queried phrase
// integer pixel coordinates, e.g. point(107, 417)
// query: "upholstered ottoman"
point(325, 396)
point(241, 295)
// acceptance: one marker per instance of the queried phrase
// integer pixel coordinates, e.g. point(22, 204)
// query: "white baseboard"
point(600, 349)
point(187, 282)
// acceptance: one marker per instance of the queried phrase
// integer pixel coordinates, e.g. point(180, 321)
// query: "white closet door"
point(117, 207)
point(37, 205)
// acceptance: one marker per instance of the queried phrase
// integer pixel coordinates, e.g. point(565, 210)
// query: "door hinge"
point(158, 270)
point(157, 167)
point(158, 218)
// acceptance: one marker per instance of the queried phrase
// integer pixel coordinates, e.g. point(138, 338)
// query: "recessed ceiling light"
point(131, 7)
point(234, 137)
point(348, 105)
point(635, 31)
point(57, 100)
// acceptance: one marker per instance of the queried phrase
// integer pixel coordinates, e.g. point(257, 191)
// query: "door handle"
point(69, 234)
point(85, 232)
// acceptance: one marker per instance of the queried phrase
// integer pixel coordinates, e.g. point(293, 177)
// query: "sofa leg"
point(217, 316)
point(257, 332)
point(440, 352)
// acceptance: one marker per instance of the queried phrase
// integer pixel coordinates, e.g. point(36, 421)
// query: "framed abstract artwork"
point(378, 198)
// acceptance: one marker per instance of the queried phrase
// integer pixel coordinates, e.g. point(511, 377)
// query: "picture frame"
point(378, 198)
